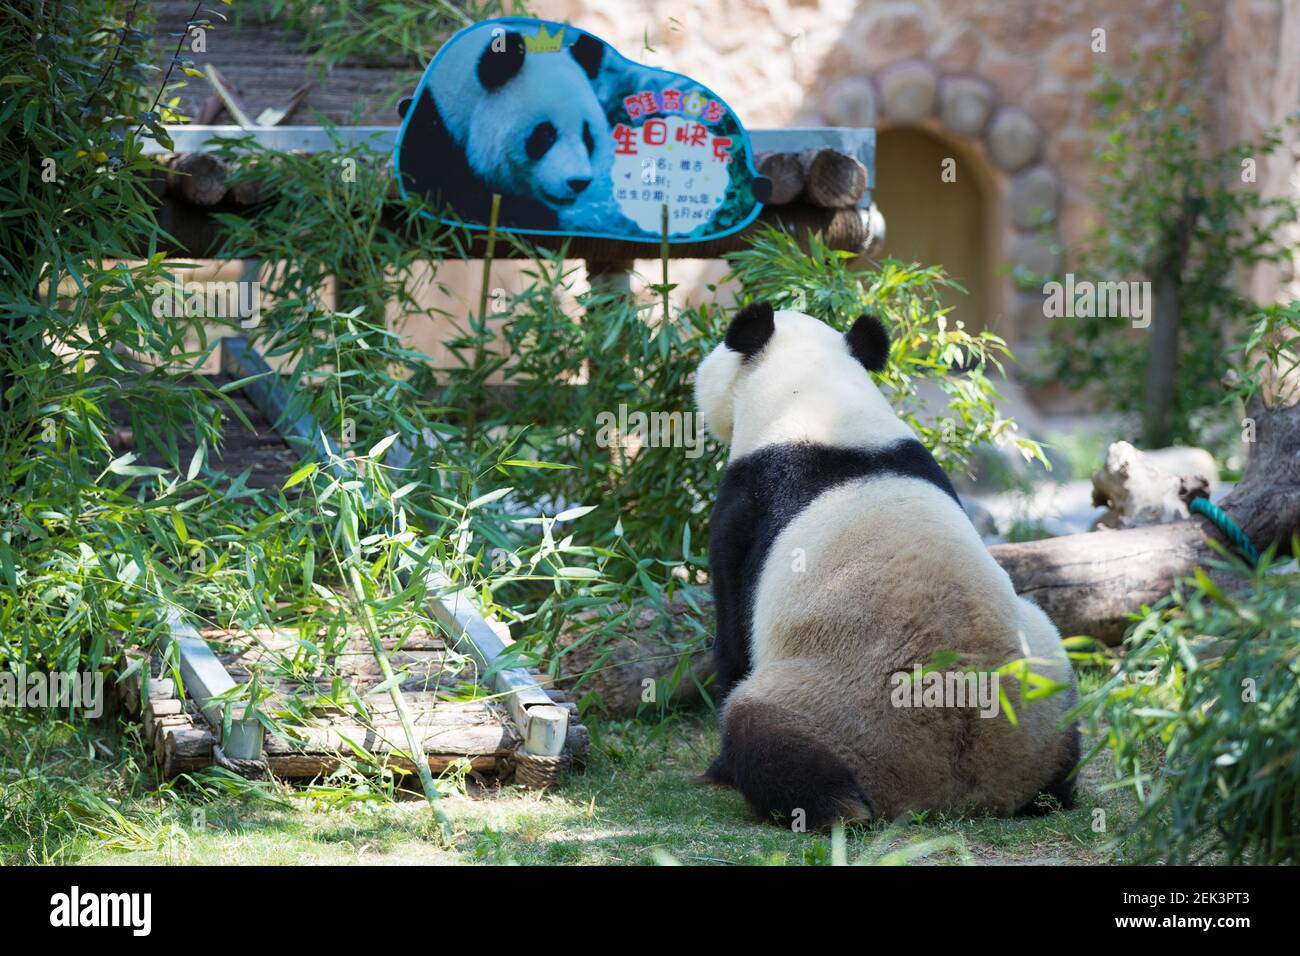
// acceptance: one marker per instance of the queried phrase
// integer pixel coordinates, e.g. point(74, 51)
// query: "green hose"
point(1204, 506)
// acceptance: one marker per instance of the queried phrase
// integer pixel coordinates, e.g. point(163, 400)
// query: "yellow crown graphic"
point(545, 42)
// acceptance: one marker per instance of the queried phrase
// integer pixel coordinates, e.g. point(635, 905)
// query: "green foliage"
point(79, 91)
point(1172, 204)
point(376, 32)
point(924, 346)
point(1267, 355)
point(1203, 717)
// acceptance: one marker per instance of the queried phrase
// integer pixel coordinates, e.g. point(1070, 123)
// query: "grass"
point(69, 795)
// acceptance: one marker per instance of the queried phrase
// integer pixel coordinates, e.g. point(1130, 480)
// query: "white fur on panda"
point(874, 575)
point(816, 392)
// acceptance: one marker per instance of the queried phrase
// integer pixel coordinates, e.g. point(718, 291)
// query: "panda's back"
point(819, 547)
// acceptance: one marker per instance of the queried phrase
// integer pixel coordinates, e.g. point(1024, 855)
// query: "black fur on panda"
point(840, 557)
point(495, 118)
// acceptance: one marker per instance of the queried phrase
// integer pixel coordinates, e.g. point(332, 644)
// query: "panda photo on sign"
point(509, 113)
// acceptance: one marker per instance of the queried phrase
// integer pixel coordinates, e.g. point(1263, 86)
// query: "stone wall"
point(1007, 80)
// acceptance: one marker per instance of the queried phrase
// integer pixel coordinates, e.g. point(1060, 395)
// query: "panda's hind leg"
point(1061, 787)
point(786, 767)
point(718, 774)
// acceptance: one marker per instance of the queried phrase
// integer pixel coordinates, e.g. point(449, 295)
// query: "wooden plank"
point(204, 679)
point(543, 725)
point(300, 765)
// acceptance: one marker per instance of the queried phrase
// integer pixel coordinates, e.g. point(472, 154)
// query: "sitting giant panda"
point(840, 557)
point(495, 118)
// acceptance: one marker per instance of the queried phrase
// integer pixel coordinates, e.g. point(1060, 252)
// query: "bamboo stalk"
point(471, 418)
point(663, 255)
point(413, 742)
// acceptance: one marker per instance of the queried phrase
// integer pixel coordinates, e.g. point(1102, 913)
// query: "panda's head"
point(537, 128)
point(785, 376)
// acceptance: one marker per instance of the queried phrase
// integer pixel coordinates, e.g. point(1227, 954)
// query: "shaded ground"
point(634, 804)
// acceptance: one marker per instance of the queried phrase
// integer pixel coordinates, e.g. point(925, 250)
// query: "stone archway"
point(1000, 142)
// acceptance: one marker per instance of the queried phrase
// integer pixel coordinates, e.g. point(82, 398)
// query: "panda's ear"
point(589, 52)
point(869, 342)
point(501, 61)
point(750, 329)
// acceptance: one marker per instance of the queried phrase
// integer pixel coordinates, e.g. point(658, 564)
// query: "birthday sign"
point(575, 139)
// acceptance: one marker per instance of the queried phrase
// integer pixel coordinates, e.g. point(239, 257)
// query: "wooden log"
point(1266, 502)
point(185, 750)
point(199, 177)
point(617, 666)
point(246, 192)
point(198, 235)
point(304, 765)
point(161, 726)
point(1086, 583)
point(162, 688)
point(1090, 583)
point(154, 710)
point(786, 173)
point(1138, 491)
point(129, 688)
point(832, 180)
point(843, 229)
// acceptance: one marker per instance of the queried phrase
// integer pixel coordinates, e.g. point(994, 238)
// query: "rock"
point(965, 103)
point(1071, 58)
point(1033, 197)
point(885, 34)
point(1014, 76)
point(851, 102)
point(957, 50)
point(907, 91)
point(1013, 139)
point(1035, 255)
point(1053, 106)
point(1071, 148)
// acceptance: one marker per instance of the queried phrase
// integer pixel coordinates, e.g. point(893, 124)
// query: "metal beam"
point(205, 678)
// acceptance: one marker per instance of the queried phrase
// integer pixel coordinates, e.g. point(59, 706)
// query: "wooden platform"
point(321, 728)
point(514, 729)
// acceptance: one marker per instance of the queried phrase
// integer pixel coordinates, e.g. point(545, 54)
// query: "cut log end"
point(786, 173)
point(833, 180)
